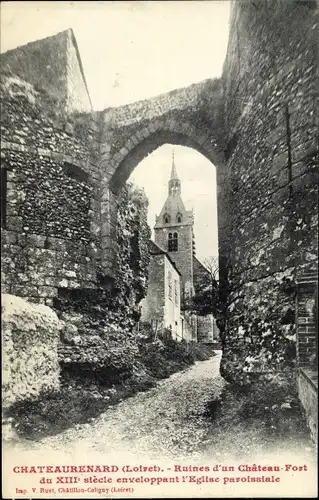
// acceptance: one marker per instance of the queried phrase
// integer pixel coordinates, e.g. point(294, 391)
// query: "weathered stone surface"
point(49, 195)
point(53, 65)
point(308, 394)
point(270, 72)
point(30, 335)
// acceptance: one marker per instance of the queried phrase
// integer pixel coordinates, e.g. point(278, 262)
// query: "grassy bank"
point(263, 418)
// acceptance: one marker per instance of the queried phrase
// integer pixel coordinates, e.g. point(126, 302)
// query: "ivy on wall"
point(99, 323)
point(133, 234)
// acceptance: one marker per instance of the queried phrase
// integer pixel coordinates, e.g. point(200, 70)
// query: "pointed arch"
point(166, 218)
point(179, 218)
point(160, 132)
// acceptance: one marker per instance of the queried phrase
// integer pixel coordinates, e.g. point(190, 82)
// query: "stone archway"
point(191, 117)
point(144, 142)
point(140, 145)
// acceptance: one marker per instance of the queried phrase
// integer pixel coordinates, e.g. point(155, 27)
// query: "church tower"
point(173, 231)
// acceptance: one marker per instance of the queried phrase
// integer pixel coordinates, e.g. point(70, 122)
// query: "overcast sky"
point(132, 51)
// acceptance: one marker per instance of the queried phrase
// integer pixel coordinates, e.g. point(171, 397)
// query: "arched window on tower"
point(172, 242)
point(167, 219)
point(179, 218)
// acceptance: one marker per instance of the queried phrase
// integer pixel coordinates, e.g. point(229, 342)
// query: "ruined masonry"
point(64, 164)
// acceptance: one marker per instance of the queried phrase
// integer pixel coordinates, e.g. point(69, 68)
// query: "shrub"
point(162, 358)
point(201, 352)
point(269, 393)
point(99, 373)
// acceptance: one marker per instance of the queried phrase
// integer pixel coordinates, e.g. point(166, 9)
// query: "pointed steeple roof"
point(173, 212)
point(174, 184)
point(174, 171)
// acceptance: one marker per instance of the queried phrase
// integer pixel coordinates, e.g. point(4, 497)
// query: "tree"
point(211, 264)
point(206, 297)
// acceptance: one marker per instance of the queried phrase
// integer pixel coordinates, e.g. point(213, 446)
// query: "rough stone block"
point(30, 335)
point(47, 291)
point(106, 242)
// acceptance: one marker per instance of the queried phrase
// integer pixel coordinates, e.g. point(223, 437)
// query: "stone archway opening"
point(139, 146)
point(148, 140)
point(192, 196)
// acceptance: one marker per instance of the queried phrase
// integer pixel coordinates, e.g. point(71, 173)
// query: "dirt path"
point(166, 421)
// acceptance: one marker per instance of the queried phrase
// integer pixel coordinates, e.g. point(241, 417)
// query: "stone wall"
point(30, 335)
point(53, 65)
point(258, 124)
point(306, 318)
point(50, 194)
point(270, 79)
point(132, 235)
point(172, 309)
point(78, 98)
point(307, 347)
point(308, 395)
